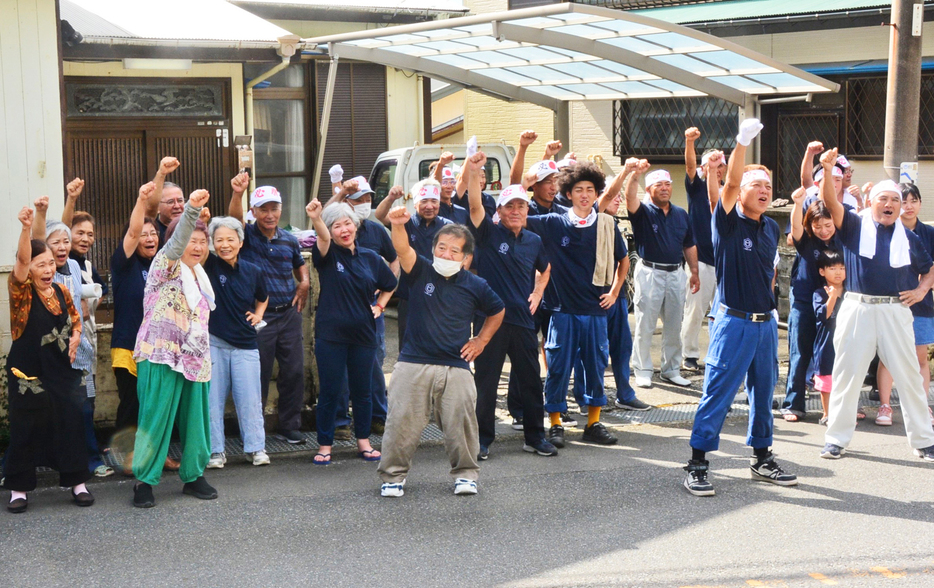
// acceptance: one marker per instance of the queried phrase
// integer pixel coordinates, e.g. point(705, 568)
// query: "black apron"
point(46, 420)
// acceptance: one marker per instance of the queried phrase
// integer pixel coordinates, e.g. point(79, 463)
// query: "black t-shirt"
point(128, 276)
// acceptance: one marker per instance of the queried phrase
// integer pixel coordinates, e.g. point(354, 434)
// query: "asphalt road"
point(593, 516)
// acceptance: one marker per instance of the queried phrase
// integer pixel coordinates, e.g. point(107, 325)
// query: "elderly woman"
point(45, 397)
point(345, 327)
point(174, 359)
point(241, 301)
point(58, 238)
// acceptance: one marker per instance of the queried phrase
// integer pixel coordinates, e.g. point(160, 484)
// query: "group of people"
point(204, 306)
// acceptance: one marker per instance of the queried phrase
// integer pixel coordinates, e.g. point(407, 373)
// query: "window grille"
point(655, 127)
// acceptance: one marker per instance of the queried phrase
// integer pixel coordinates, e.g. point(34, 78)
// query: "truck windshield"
point(381, 179)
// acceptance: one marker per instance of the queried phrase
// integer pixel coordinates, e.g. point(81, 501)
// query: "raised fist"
point(41, 203)
point(199, 198)
point(336, 172)
point(799, 195)
point(146, 191)
point(527, 138)
point(476, 161)
point(815, 147)
point(395, 193)
point(828, 159)
point(552, 147)
point(632, 163)
point(168, 165)
point(399, 215)
point(240, 182)
point(25, 216)
point(748, 130)
point(715, 160)
point(692, 134)
point(313, 209)
point(644, 166)
point(205, 215)
point(350, 187)
point(74, 188)
point(446, 158)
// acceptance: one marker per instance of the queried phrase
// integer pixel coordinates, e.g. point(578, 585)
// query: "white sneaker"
point(257, 458)
point(217, 461)
point(463, 486)
point(643, 382)
point(392, 490)
point(677, 380)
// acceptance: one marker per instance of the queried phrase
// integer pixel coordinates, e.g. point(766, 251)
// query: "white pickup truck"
point(406, 166)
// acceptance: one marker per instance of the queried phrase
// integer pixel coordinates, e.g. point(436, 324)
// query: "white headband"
point(837, 173)
point(657, 176)
point(706, 158)
point(428, 193)
point(755, 175)
point(885, 186)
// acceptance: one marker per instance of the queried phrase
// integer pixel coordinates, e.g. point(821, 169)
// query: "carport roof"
point(566, 52)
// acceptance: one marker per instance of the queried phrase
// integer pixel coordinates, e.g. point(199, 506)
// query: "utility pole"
point(903, 92)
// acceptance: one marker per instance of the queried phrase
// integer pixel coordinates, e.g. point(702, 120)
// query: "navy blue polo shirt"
point(550, 298)
point(441, 312)
point(572, 252)
point(660, 237)
point(489, 203)
point(563, 200)
point(162, 228)
point(374, 236)
point(276, 258)
point(348, 280)
point(508, 264)
point(823, 357)
point(744, 256)
point(699, 212)
point(454, 213)
point(128, 277)
point(536, 209)
point(875, 277)
point(237, 289)
point(925, 233)
point(805, 277)
point(422, 238)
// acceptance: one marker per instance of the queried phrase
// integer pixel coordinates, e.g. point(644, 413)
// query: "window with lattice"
point(865, 116)
point(655, 127)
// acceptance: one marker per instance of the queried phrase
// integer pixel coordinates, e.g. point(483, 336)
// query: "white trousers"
point(658, 293)
point(695, 308)
point(862, 331)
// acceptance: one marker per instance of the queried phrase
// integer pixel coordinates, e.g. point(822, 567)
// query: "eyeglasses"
point(174, 201)
point(150, 234)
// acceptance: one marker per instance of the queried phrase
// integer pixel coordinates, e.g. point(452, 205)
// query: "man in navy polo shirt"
point(421, 230)
point(445, 176)
point(696, 304)
point(883, 262)
point(279, 257)
point(370, 235)
point(586, 251)
point(744, 335)
point(513, 263)
point(664, 239)
point(433, 371)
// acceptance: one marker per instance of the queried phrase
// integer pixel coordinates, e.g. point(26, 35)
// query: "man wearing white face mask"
point(370, 235)
point(433, 371)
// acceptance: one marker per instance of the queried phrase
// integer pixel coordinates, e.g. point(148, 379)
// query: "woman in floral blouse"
point(46, 424)
point(174, 359)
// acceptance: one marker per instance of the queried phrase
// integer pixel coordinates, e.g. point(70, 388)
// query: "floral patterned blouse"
point(171, 333)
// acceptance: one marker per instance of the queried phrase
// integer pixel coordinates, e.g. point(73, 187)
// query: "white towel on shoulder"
point(899, 255)
point(194, 290)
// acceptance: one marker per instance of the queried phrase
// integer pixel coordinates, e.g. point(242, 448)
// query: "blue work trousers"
point(334, 359)
point(802, 330)
point(620, 340)
point(738, 349)
point(377, 383)
point(574, 338)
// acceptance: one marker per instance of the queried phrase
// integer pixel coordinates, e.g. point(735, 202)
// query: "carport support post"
point(563, 127)
point(903, 93)
point(750, 110)
point(323, 127)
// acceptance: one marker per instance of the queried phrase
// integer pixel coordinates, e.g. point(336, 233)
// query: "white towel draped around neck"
point(193, 290)
point(899, 255)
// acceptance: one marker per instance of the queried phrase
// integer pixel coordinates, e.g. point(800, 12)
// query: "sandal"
point(860, 413)
point(790, 417)
point(368, 455)
point(325, 459)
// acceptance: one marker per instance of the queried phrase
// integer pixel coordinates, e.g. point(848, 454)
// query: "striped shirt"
point(276, 258)
point(72, 280)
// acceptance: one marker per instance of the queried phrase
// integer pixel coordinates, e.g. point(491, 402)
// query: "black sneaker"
point(766, 470)
point(484, 453)
point(634, 404)
point(142, 496)
point(200, 489)
point(927, 453)
point(696, 481)
point(874, 394)
point(567, 420)
point(556, 436)
point(517, 424)
point(597, 433)
point(541, 447)
point(690, 363)
point(342, 433)
point(378, 427)
point(290, 437)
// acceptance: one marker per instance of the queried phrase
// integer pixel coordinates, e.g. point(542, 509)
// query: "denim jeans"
point(236, 371)
point(94, 454)
point(802, 330)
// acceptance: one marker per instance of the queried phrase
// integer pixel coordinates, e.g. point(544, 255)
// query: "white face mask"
point(362, 210)
point(446, 267)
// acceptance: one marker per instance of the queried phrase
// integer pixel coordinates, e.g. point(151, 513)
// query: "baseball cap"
point(363, 187)
point(513, 192)
point(543, 169)
point(659, 175)
point(264, 194)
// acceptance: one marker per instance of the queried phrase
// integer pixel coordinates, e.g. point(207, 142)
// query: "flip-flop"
point(326, 459)
point(368, 455)
point(860, 414)
point(790, 417)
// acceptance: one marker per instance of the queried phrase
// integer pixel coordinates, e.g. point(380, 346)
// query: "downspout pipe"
point(286, 59)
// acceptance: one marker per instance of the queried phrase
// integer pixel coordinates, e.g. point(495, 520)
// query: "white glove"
point(748, 130)
point(337, 173)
